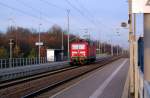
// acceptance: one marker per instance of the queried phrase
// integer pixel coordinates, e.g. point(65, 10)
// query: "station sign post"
point(39, 44)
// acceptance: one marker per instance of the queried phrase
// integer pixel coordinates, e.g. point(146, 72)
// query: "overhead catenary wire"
point(90, 18)
point(34, 9)
point(56, 6)
point(21, 11)
point(85, 10)
point(74, 7)
point(89, 14)
point(92, 15)
point(80, 12)
point(97, 20)
point(52, 4)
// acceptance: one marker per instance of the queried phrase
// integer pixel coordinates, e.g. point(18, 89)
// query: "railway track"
point(12, 82)
point(36, 85)
point(10, 74)
point(33, 77)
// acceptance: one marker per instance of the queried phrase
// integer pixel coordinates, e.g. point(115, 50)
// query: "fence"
point(16, 62)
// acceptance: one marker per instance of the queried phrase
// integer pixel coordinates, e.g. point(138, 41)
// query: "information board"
point(50, 55)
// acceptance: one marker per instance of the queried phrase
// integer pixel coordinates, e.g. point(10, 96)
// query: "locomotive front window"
point(78, 46)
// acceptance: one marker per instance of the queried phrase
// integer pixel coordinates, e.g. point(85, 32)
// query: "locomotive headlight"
point(82, 53)
point(74, 53)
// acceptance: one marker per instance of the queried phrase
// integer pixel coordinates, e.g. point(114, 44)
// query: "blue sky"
point(101, 17)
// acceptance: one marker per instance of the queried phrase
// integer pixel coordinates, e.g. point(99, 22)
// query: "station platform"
point(105, 82)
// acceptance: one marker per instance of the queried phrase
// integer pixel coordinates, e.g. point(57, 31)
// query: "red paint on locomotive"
point(82, 52)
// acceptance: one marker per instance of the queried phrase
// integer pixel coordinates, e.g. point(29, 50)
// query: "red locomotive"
point(82, 52)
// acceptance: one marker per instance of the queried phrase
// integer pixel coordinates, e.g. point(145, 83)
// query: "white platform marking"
point(53, 96)
point(101, 88)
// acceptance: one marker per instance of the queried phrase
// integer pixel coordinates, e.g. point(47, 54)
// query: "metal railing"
point(146, 89)
point(144, 86)
point(140, 83)
point(16, 62)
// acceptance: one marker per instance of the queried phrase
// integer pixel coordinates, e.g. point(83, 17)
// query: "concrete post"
point(112, 51)
point(136, 82)
point(131, 69)
point(136, 86)
point(131, 48)
point(147, 47)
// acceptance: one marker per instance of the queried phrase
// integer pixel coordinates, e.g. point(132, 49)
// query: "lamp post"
point(99, 47)
point(10, 52)
point(62, 47)
point(39, 42)
point(118, 35)
point(68, 30)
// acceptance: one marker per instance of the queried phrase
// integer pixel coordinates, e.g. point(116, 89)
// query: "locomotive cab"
point(82, 52)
